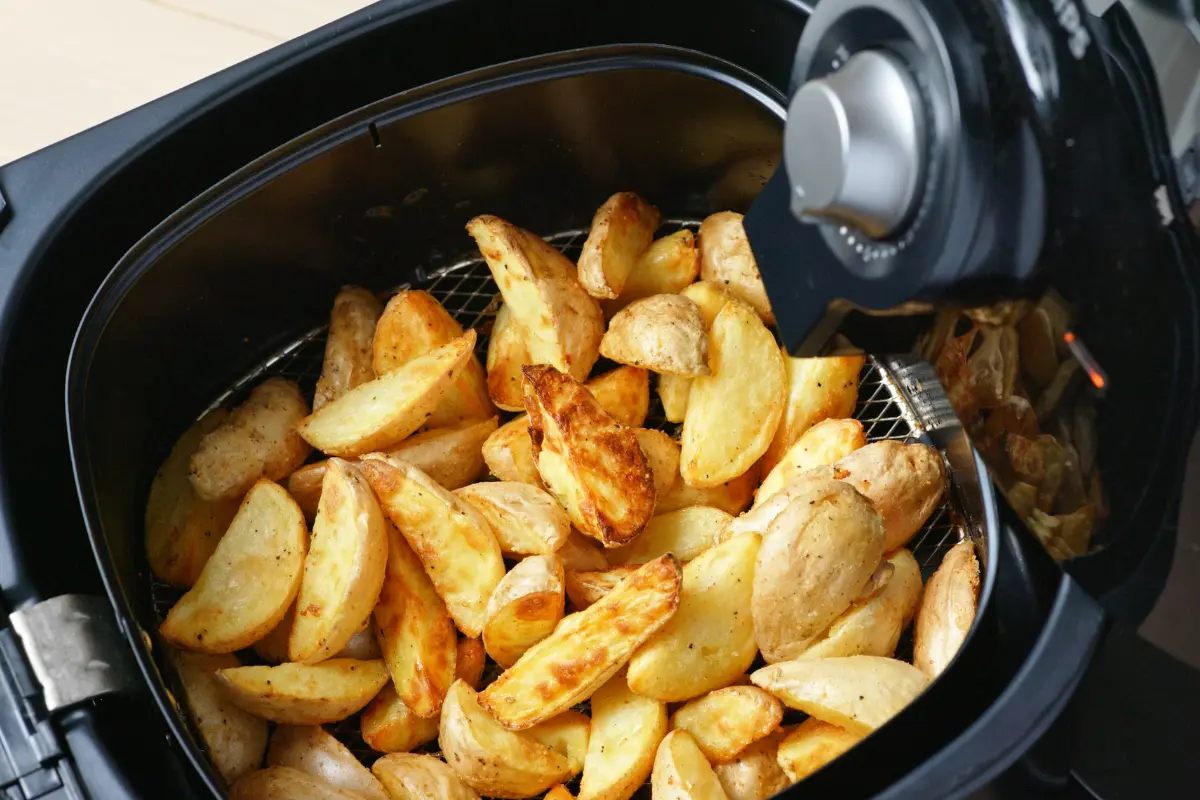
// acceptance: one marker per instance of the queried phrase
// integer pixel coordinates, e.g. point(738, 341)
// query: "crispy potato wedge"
point(310, 749)
point(181, 529)
point(664, 333)
point(523, 609)
point(947, 610)
point(857, 693)
point(235, 739)
point(904, 481)
point(681, 772)
point(506, 354)
point(727, 721)
point(378, 414)
point(673, 391)
point(389, 726)
point(244, 591)
point(305, 694)
point(732, 497)
point(586, 649)
point(257, 440)
point(581, 554)
point(286, 783)
point(562, 324)
point(710, 640)
point(343, 571)
point(471, 659)
point(626, 731)
point(725, 259)
point(755, 774)
point(823, 443)
point(509, 453)
point(686, 533)
point(709, 297)
point(817, 389)
point(748, 376)
point(812, 745)
point(667, 267)
point(662, 454)
point(420, 777)
point(348, 344)
point(585, 588)
point(592, 465)
point(525, 519)
point(452, 539)
point(566, 734)
point(624, 393)
point(622, 230)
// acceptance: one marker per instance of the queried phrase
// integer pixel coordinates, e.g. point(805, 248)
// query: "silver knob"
point(853, 145)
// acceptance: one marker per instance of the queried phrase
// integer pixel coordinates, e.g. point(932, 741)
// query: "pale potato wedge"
point(812, 745)
point(310, 749)
point(562, 324)
point(709, 297)
point(305, 694)
point(559, 792)
point(286, 783)
point(586, 649)
point(585, 588)
point(755, 774)
point(452, 539)
point(257, 440)
point(726, 259)
point(343, 571)
point(673, 391)
point(662, 454)
point(506, 354)
point(710, 640)
point(823, 443)
point(415, 631)
point(681, 772)
point(348, 344)
point(626, 731)
point(947, 610)
point(622, 230)
point(727, 721)
point(686, 533)
point(252, 578)
point(732, 414)
point(732, 497)
point(817, 389)
point(857, 693)
point(380, 413)
point(509, 453)
point(525, 519)
point(470, 661)
point(904, 481)
point(492, 760)
point(523, 609)
point(592, 464)
point(181, 529)
point(667, 267)
point(273, 648)
point(581, 554)
point(420, 777)
point(235, 739)
point(566, 734)
point(389, 726)
point(664, 333)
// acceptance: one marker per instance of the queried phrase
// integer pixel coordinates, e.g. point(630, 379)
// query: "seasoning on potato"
point(947, 610)
point(817, 389)
point(305, 694)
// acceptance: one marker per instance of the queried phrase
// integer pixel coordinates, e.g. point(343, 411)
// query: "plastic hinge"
point(29, 747)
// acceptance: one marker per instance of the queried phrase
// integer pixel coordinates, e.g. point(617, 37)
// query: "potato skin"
point(947, 610)
point(904, 481)
point(304, 694)
point(754, 774)
point(664, 333)
point(667, 267)
point(286, 783)
point(420, 777)
point(622, 230)
point(823, 443)
point(235, 739)
point(348, 345)
point(726, 259)
point(525, 519)
point(310, 749)
point(506, 355)
point(524, 608)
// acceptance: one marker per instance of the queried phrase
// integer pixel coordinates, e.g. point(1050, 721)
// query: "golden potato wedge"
point(732, 414)
point(348, 344)
point(686, 533)
point(181, 529)
point(506, 354)
point(245, 589)
point(562, 324)
point(727, 721)
point(591, 464)
point(726, 259)
point(622, 230)
point(420, 777)
point(566, 734)
point(823, 443)
point(673, 391)
point(235, 739)
point(667, 267)
point(273, 648)
point(492, 760)
point(812, 745)
point(817, 389)
point(509, 453)
point(585, 588)
point(732, 497)
point(709, 297)
point(626, 731)
point(581, 554)
point(470, 661)
point(305, 694)
point(523, 609)
point(710, 640)
point(815, 560)
point(662, 454)
point(452, 539)
point(664, 333)
point(947, 610)
point(257, 440)
point(559, 792)
point(857, 693)
point(286, 783)
point(310, 749)
point(755, 774)
point(389, 726)
point(624, 393)
point(681, 772)
point(378, 414)
point(586, 648)
point(904, 481)
point(343, 571)
point(525, 519)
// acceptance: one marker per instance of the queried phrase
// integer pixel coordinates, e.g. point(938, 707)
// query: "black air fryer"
point(889, 154)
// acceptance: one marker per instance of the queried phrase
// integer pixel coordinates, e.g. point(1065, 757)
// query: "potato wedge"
point(390, 726)
point(562, 324)
point(947, 610)
point(710, 640)
point(681, 772)
point(662, 454)
point(470, 661)
point(181, 529)
point(815, 560)
point(235, 739)
point(559, 792)
point(817, 389)
point(904, 481)
point(245, 589)
point(726, 259)
point(420, 777)
point(823, 443)
point(624, 393)
point(732, 497)
point(506, 354)
point(509, 453)
point(585, 588)
point(709, 297)
point(666, 267)
point(581, 554)
point(747, 375)
point(343, 571)
point(664, 333)
point(348, 344)
point(622, 230)
point(686, 533)
point(525, 519)
point(626, 731)
point(857, 693)
point(305, 694)
point(310, 749)
point(591, 464)
point(273, 648)
point(453, 541)
point(566, 734)
point(673, 391)
point(257, 440)
point(523, 609)
point(755, 774)
point(586, 648)
point(727, 721)
point(812, 745)
point(286, 783)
